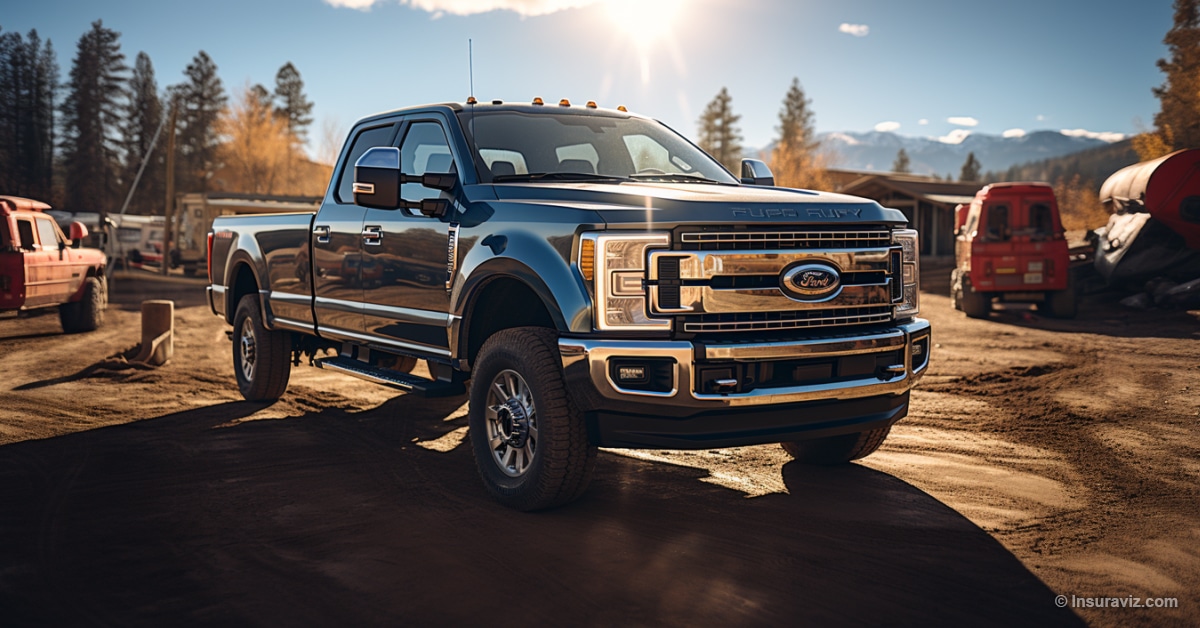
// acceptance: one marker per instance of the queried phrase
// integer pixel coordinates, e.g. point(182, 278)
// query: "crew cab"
point(41, 268)
point(592, 279)
point(1011, 247)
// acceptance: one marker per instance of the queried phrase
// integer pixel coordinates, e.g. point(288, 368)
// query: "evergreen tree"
point(719, 134)
point(144, 116)
point(796, 161)
point(293, 104)
point(91, 120)
point(200, 100)
point(1178, 121)
point(970, 169)
point(28, 81)
point(262, 98)
point(902, 165)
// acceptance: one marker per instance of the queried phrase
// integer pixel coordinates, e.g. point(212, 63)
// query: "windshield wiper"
point(677, 177)
point(557, 176)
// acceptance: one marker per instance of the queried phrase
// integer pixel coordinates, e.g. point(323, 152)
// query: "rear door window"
point(1041, 220)
point(997, 223)
point(25, 232)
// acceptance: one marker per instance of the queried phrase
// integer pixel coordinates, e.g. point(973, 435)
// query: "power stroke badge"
point(811, 282)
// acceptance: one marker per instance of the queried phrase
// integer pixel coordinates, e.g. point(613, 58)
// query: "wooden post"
point(169, 210)
point(158, 332)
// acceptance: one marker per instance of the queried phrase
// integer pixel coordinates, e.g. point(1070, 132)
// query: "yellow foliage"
point(799, 168)
point(1153, 144)
point(259, 155)
point(1079, 204)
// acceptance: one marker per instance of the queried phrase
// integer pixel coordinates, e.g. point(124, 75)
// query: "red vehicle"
point(1011, 247)
point(41, 268)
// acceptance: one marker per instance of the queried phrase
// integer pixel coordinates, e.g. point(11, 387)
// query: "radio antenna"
point(471, 64)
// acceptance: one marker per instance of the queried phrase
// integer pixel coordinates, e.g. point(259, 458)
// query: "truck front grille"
point(770, 321)
point(783, 240)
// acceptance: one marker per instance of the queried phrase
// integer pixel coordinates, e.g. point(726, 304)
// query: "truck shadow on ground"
point(336, 517)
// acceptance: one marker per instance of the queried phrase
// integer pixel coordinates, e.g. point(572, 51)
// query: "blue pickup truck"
point(592, 279)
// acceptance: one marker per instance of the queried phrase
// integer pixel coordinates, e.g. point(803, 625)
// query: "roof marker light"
point(471, 100)
point(538, 101)
point(622, 108)
point(564, 103)
point(591, 104)
point(497, 102)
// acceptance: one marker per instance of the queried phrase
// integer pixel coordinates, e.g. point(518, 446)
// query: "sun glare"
point(643, 21)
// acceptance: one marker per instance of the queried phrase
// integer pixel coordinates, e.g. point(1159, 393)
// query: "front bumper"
point(684, 414)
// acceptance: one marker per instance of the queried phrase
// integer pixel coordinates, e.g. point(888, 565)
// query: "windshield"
point(516, 146)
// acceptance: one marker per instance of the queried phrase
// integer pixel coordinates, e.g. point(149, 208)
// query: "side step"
point(395, 379)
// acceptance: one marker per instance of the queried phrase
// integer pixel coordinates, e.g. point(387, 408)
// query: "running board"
point(395, 379)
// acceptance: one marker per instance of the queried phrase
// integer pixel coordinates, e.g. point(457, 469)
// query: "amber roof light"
point(564, 103)
point(537, 100)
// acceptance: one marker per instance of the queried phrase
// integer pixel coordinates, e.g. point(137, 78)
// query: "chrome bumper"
point(586, 359)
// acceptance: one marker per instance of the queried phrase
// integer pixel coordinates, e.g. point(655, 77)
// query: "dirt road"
point(1041, 458)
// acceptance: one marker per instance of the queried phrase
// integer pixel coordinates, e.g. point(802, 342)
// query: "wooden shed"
point(928, 203)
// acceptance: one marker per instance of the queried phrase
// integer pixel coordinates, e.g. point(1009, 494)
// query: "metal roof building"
point(928, 203)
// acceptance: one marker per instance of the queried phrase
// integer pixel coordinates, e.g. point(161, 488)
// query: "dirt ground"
point(1040, 458)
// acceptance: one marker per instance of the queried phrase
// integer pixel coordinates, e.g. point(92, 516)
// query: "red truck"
point(1011, 247)
point(41, 268)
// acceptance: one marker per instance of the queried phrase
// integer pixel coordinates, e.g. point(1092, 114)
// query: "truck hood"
point(642, 203)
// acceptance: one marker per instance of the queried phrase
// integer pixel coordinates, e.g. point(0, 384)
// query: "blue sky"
point(935, 68)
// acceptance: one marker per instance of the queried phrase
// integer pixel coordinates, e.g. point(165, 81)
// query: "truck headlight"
point(614, 265)
point(910, 272)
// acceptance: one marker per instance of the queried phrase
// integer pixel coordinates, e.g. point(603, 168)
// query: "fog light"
point(631, 374)
point(918, 349)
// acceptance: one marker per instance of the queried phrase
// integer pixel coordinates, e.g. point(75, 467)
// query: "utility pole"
point(169, 211)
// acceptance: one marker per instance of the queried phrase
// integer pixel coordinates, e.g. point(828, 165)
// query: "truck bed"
point(278, 244)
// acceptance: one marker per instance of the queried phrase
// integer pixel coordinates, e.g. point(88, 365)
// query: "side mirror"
point(377, 178)
point(377, 181)
point(755, 172)
point(78, 231)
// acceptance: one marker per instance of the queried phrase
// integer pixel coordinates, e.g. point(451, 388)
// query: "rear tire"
point(86, 314)
point(261, 357)
point(836, 449)
point(1061, 303)
point(975, 304)
point(530, 442)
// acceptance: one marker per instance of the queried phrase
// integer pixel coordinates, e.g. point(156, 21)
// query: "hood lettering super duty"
point(833, 213)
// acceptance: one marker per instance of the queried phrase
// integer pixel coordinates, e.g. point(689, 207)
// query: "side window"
point(25, 231)
point(367, 138)
point(997, 223)
point(425, 149)
point(47, 233)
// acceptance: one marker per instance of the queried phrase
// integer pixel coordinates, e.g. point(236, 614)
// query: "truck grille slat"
point(747, 240)
point(787, 320)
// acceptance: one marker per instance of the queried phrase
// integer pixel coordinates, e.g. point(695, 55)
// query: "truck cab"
point(1011, 247)
point(41, 268)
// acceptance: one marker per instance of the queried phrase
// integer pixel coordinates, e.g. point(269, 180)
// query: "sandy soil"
point(1040, 458)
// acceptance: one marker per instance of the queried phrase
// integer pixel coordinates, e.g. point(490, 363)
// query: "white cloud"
point(843, 138)
point(886, 127)
point(1106, 136)
point(470, 7)
point(962, 121)
point(1014, 133)
point(1040, 117)
point(923, 121)
point(858, 30)
point(954, 137)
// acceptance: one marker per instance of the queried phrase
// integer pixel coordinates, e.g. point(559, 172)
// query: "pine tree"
point(796, 161)
point(970, 169)
point(293, 104)
point(902, 165)
point(719, 134)
point(144, 116)
point(1178, 121)
point(263, 99)
point(28, 82)
point(200, 100)
point(91, 119)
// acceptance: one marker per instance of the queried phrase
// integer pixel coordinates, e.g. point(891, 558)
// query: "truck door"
point(403, 265)
point(336, 245)
point(47, 268)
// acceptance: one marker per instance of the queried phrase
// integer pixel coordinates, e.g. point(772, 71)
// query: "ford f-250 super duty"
point(597, 281)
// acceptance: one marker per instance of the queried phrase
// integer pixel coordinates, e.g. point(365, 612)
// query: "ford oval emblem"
point(811, 282)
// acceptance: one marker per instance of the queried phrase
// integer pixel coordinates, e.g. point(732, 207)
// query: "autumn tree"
point(1178, 121)
point(902, 165)
point(971, 169)
point(200, 99)
point(796, 161)
point(1078, 203)
point(91, 120)
point(719, 134)
point(255, 147)
point(28, 88)
point(143, 119)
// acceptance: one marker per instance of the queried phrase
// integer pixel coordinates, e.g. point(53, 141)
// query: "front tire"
point(530, 441)
point(261, 357)
point(975, 304)
point(836, 449)
point(86, 314)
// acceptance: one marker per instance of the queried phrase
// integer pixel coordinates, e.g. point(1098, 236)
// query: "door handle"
point(322, 233)
point(372, 236)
